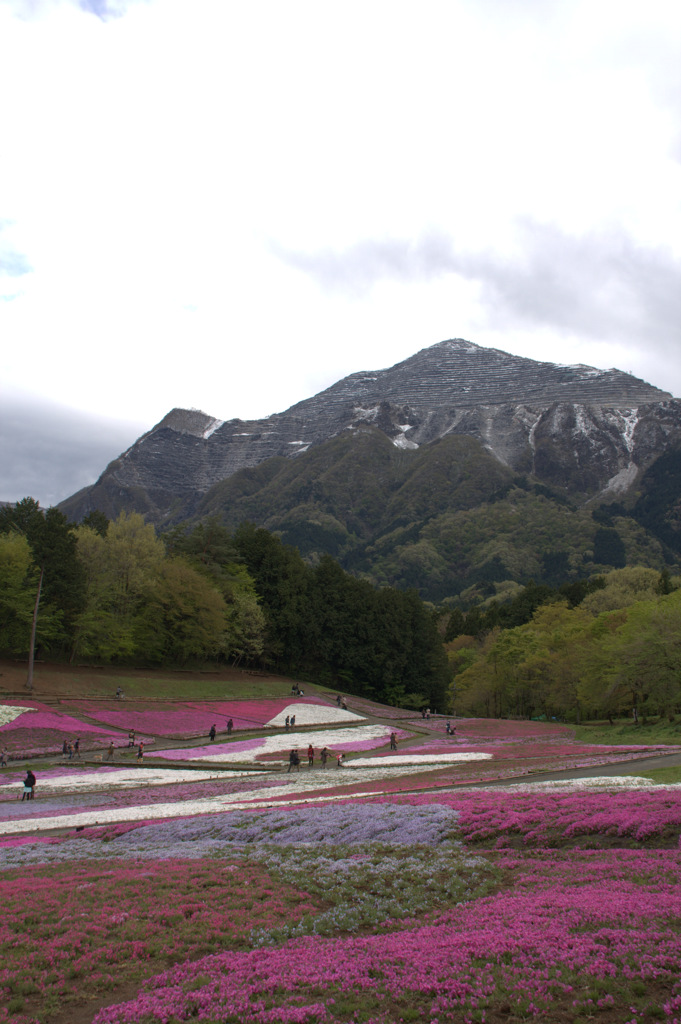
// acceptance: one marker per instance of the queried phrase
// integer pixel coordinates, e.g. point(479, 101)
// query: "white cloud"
point(157, 155)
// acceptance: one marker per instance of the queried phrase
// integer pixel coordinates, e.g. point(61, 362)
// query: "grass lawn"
point(661, 776)
point(55, 680)
point(626, 731)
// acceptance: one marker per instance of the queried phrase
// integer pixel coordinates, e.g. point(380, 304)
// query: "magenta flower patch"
point(188, 718)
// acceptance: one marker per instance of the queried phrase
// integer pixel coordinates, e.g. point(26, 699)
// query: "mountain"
point(455, 430)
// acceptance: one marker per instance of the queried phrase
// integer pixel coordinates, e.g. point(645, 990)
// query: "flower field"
point(184, 719)
point(384, 892)
point(363, 737)
point(370, 912)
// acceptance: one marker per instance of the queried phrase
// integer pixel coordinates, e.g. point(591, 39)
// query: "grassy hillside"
point(52, 681)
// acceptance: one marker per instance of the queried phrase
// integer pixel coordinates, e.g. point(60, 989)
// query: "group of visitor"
point(324, 754)
point(212, 732)
point(71, 749)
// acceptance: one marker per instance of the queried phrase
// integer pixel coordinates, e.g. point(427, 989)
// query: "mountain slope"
point(373, 467)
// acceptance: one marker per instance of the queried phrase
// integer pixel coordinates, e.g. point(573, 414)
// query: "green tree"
point(210, 548)
point(642, 657)
point(119, 571)
point(283, 583)
point(52, 541)
point(183, 617)
point(18, 585)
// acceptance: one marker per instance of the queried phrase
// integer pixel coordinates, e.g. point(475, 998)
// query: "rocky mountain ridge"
point(574, 427)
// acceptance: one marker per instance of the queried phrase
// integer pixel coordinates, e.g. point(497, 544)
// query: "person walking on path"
point(131, 738)
point(310, 756)
point(110, 751)
point(393, 741)
point(293, 720)
point(140, 751)
point(212, 734)
point(293, 761)
point(324, 756)
point(76, 748)
point(287, 722)
point(230, 726)
point(29, 785)
point(3, 758)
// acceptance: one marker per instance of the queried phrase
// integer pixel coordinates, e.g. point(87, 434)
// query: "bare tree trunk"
point(31, 651)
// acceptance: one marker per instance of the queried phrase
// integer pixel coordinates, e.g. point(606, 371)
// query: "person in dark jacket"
point(29, 785)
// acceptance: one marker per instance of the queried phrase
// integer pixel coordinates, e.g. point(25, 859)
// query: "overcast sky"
point(230, 205)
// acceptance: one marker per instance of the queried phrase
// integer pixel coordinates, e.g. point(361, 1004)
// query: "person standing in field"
point(293, 760)
point(76, 748)
point(212, 734)
point(131, 738)
point(393, 741)
point(140, 751)
point(230, 726)
point(29, 785)
point(3, 758)
point(110, 751)
point(310, 756)
point(324, 756)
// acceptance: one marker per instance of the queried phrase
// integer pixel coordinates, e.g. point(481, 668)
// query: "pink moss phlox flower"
point(564, 917)
point(188, 718)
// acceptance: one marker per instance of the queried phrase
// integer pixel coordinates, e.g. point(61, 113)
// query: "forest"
point(113, 592)
point(600, 648)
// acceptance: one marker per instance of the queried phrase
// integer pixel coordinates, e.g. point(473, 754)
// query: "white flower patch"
point(336, 738)
point(131, 778)
point(596, 782)
point(314, 714)
point(415, 759)
point(297, 792)
point(9, 712)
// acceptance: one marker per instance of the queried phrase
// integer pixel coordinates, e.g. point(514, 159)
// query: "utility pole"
point(31, 652)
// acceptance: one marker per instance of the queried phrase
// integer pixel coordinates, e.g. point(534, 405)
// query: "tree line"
point(116, 593)
point(614, 651)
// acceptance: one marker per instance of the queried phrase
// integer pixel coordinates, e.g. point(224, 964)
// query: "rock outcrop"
point(577, 428)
